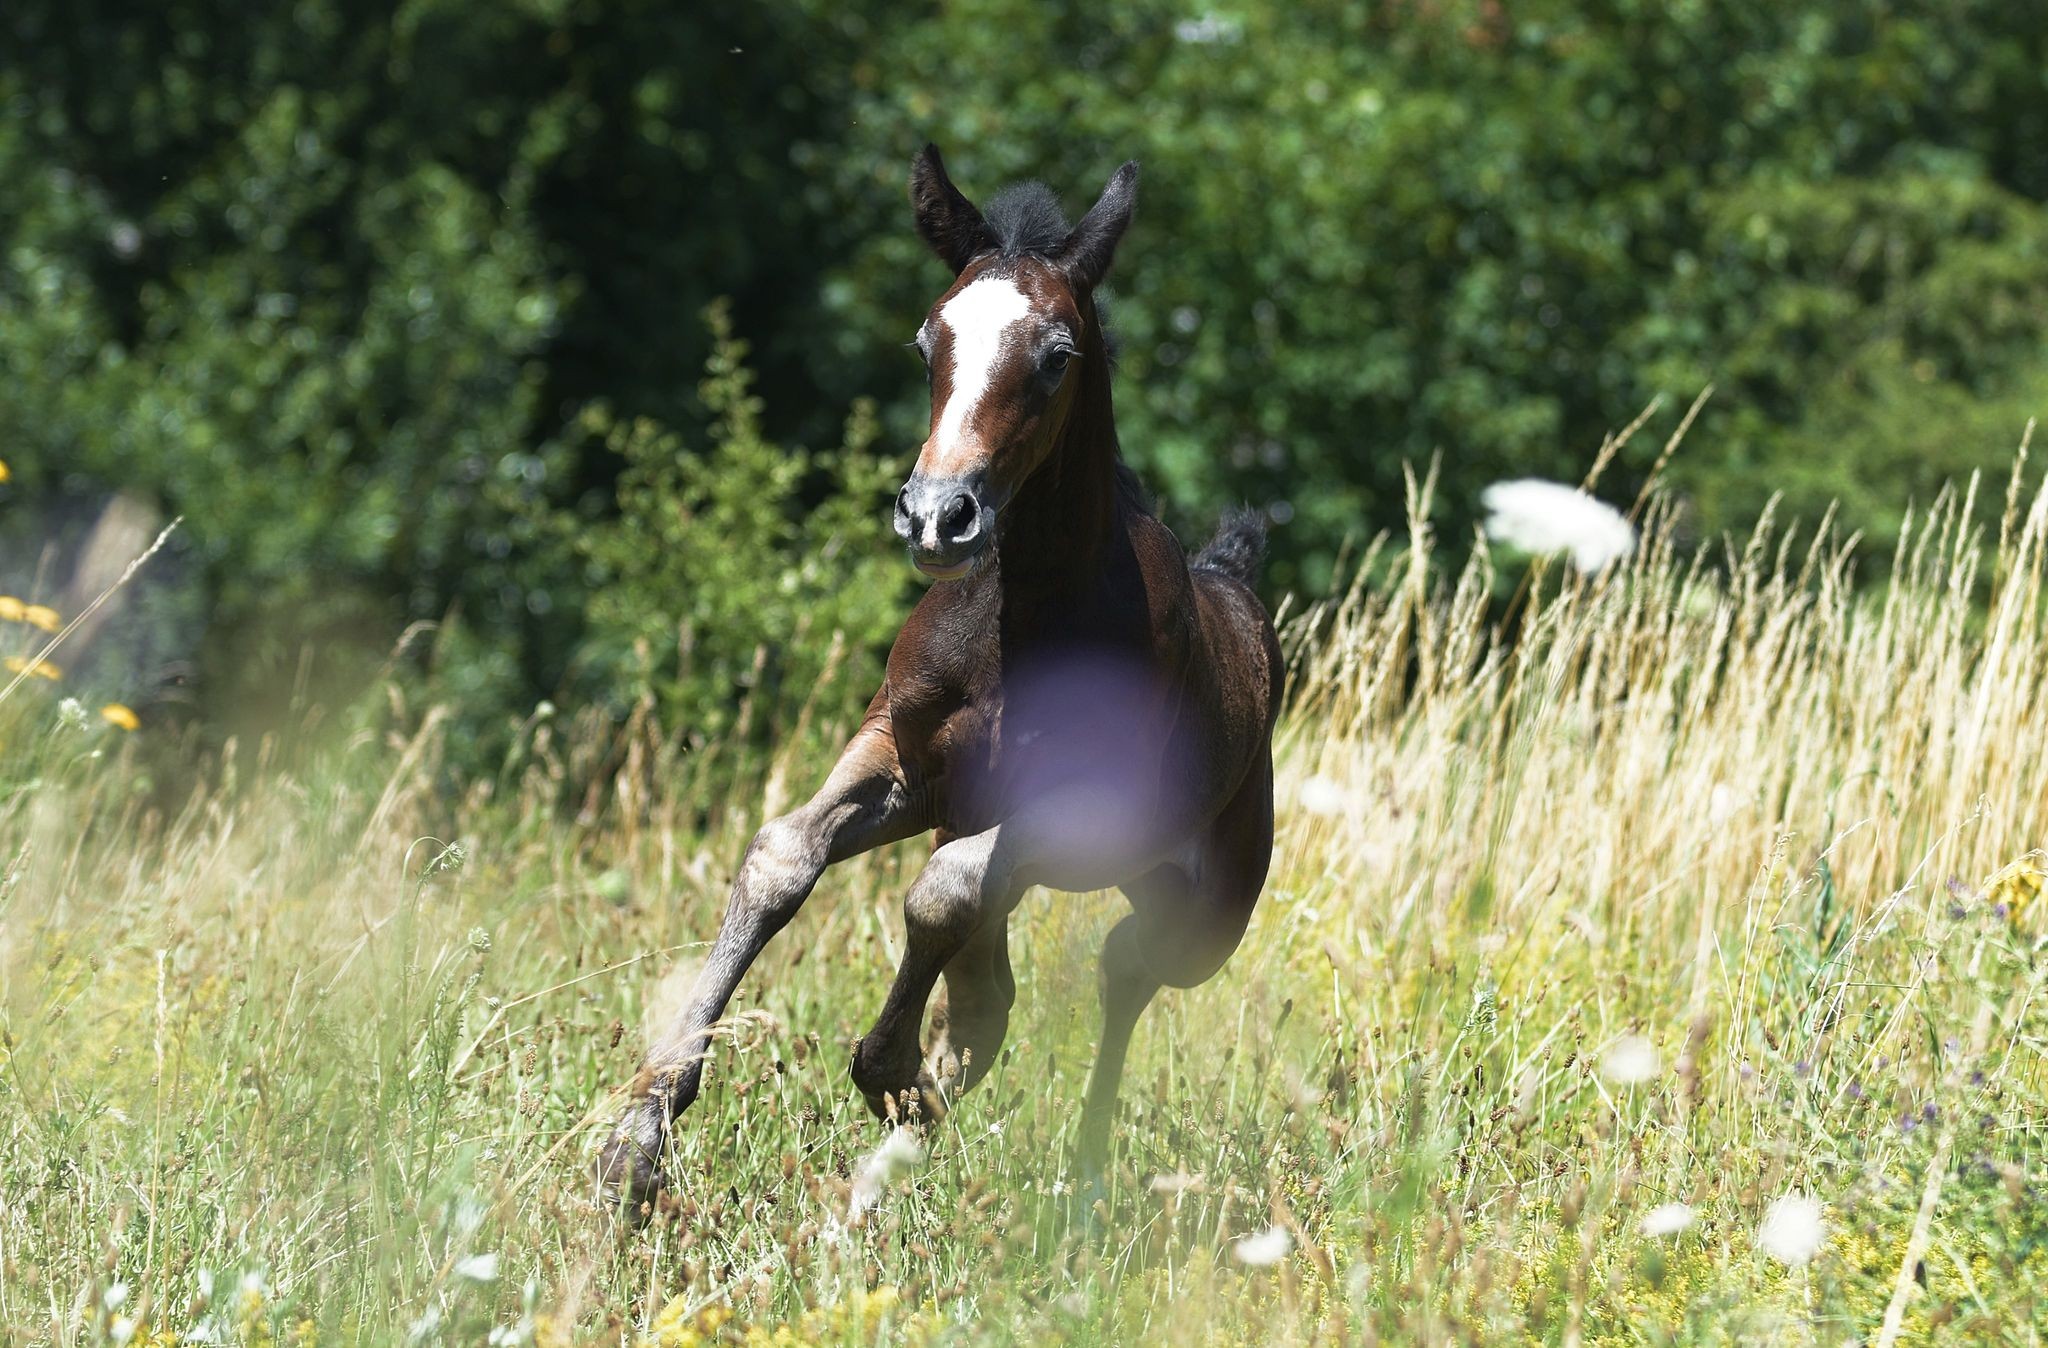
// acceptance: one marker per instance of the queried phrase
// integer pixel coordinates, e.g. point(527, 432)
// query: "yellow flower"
point(43, 616)
point(675, 1327)
point(116, 714)
point(42, 669)
point(11, 608)
point(2019, 884)
point(5, 472)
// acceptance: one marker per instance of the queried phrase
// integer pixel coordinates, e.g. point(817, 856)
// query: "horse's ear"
point(947, 220)
point(1087, 251)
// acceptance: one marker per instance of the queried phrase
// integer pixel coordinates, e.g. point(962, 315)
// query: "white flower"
point(1263, 1250)
point(1668, 1220)
point(1546, 517)
point(899, 1151)
point(1320, 795)
point(1630, 1061)
point(1793, 1232)
point(1178, 1182)
point(71, 714)
point(1722, 804)
point(115, 1296)
point(478, 1267)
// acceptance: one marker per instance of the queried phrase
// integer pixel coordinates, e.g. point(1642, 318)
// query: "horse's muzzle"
point(946, 523)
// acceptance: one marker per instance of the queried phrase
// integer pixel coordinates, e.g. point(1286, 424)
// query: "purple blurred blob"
point(1088, 753)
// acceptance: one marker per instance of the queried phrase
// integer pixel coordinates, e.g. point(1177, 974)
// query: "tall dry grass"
point(1708, 882)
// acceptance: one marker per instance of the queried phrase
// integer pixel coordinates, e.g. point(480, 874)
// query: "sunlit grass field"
point(1590, 951)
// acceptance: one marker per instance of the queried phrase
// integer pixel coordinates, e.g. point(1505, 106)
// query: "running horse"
point(1074, 703)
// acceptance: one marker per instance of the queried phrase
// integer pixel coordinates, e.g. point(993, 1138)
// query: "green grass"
point(281, 1067)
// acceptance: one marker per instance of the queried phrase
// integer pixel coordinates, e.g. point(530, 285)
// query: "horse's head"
point(1004, 348)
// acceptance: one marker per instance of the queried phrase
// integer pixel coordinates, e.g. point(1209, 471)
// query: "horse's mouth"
point(952, 571)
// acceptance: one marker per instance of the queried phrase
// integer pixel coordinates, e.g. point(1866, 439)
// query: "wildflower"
point(1630, 1061)
point(1792, 1231)
point(479, 939)
point(1320, 795)
point(71, 714)
point(11, 608)
point(116, 714)
point(1179, 1182)
point(42, 616)
point(1264, 1249)
point(1548, 517)
point(898, 1152)
point(42, 669)
point(5, 472)
point(2018, 884)
point(1667, 1220)
point(478, 1267)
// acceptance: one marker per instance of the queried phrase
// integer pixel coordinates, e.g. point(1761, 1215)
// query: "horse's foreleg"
point(973, 1015)
point(862, 805)
point(967, 883)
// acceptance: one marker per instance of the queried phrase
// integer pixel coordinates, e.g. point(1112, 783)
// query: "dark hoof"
point(629, 1179)
point(917, 1100)
point(920, 1102)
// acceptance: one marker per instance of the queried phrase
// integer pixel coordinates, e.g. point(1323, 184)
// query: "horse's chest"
point(1084, 727)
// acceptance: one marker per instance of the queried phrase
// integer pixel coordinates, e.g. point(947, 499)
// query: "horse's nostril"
point(903, 500)
point(959, 517)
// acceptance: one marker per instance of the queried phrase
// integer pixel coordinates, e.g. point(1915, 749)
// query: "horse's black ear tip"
point(927, 166)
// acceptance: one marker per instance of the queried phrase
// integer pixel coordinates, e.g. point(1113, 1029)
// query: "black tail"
point(1238, 547)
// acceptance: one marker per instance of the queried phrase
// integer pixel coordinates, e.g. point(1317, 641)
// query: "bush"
point(739, 579)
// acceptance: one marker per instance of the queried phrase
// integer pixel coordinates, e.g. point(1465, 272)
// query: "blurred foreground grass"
point(1717, 886)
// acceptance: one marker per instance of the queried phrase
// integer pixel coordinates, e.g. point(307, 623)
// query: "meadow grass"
point(1711, 882)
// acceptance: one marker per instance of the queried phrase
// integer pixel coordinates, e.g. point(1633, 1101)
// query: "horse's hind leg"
point(1128, 986)
point(1183, 925)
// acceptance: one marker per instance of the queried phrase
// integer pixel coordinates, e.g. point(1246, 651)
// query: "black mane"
point(1026, 219)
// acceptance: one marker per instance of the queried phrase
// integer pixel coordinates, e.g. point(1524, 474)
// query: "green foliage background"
point(402, 305)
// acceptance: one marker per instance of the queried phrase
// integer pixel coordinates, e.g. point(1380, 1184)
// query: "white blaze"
point(981, 319)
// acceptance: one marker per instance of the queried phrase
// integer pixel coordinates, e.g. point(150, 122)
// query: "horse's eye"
point(1057, 358)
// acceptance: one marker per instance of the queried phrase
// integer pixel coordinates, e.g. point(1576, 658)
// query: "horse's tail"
point(1238, 547)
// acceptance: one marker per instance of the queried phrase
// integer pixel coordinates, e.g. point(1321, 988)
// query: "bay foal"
point(1073, 704)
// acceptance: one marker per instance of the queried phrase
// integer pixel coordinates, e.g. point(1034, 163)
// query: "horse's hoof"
point(921, 1102)
point(629, 1179)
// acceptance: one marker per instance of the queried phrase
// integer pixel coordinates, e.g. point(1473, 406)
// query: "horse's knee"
point(948, 898)
point(781, 865)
